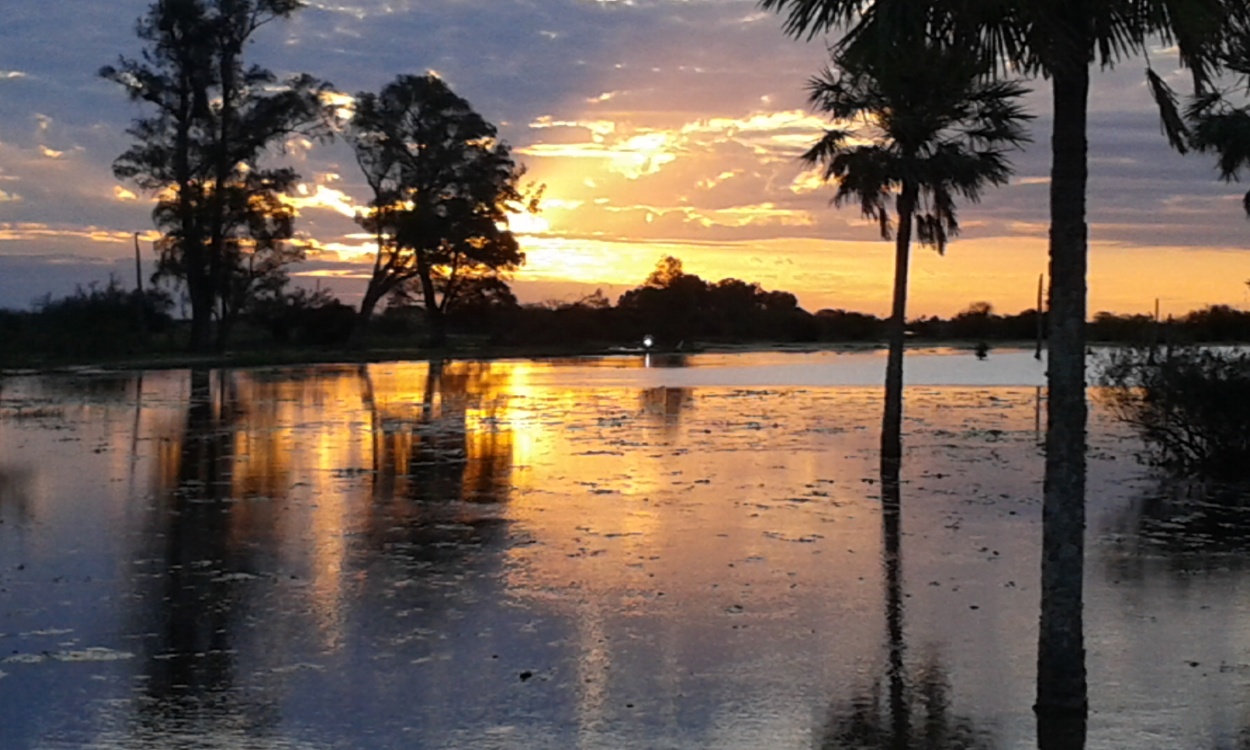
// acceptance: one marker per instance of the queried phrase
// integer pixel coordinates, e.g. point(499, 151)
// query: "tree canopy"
point(443, 186)
point(919, 124)
point(212, 120)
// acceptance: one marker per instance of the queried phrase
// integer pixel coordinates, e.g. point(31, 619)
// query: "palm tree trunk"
point(892, 419)
point(1061, 687)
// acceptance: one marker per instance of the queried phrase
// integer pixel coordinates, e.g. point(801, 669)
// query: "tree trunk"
point(201, 315)
point(224, 327)
point(433, 312)
point(373, 295)
point(892, 419)
point(219, 272)
point(1061, 687)
point(438, 327)
point(199, 288)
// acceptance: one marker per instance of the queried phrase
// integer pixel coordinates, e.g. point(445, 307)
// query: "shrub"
point(1190, 404)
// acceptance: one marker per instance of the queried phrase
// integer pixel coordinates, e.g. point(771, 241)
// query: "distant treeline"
point(677, 309)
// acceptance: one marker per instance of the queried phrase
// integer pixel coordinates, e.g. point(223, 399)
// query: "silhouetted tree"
point(225, 228)
point(444, 187)
point(974, 322)
point(670, 302)
point(927, 126)
point(667, 270)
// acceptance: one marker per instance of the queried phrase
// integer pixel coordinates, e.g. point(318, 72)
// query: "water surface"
point(583, 554)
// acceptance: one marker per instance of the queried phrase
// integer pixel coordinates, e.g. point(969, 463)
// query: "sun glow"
point(528, 224)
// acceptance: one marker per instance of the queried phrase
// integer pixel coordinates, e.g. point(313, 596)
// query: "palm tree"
point(1059, 40)
point(925, 125)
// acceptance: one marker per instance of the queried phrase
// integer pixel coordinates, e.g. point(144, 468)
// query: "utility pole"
point(139, 311)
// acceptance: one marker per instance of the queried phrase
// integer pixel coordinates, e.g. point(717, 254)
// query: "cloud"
point(689, 113)
point(22, 231)
point(323, 197)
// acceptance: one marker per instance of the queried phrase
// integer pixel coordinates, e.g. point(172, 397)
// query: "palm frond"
point(807, 18)
point(1216, 126)
point(824, 151)
point(1170, 120)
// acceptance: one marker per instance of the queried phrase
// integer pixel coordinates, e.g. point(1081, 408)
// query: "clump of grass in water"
point(1190, 404)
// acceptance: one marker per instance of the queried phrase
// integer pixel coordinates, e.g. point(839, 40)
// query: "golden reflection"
point(311, 464)
point(612, 500)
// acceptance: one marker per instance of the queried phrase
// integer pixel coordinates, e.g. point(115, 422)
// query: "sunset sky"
point(658, 126)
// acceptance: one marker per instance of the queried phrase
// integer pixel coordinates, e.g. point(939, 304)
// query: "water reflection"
point(666, 404)
point(1061, 733)
point(275, 502)
point(193, 596)
point(1191, 524)
point(681, 567)
point(916, 711)
point(442, 460)
point(104, 387)
point(665, 359)
point(14, 494)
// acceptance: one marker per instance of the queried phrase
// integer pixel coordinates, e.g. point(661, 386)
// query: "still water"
point(584, 554)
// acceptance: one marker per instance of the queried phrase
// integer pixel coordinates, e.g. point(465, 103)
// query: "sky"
point(659, 127)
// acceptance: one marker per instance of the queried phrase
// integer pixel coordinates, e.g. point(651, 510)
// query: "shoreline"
point(295, 357)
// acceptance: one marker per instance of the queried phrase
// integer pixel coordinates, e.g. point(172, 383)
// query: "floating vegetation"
point(47, 631)
point(95, 653)
point(20, 413)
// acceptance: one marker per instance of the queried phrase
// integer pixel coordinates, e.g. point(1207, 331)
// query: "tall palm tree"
point(1059, 39)
point(921, 124)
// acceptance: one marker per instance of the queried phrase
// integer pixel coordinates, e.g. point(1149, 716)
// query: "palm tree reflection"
point(916, 712)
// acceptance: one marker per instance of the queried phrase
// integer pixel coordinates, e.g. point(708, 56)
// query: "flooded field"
point(615, 553)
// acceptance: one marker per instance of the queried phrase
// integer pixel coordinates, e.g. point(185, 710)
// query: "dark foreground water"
point(584, 554)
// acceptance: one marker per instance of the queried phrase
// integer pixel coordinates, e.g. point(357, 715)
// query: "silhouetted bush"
point(843, 325)
point(1190, 404)
point(304, 317)
point(94, 321)
point(1128, 329)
